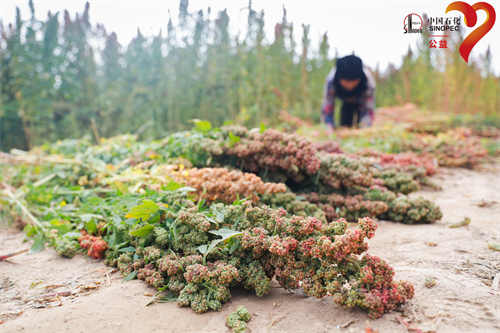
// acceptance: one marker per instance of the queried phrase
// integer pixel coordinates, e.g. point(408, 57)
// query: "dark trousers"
point(347, 114)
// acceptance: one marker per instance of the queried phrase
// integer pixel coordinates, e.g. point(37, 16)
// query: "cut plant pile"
point(210, 209)
point(293, 160)
point(432, 122)
point(405, 136)
point(220, 184)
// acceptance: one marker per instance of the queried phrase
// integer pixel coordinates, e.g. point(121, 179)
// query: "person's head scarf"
point(349, 68)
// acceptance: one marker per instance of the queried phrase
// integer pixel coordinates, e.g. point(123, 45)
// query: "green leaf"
point(155, 219)
point(168, 298)
point(225, 233)
point(34, 284)
point(227, 122)
point(237, 222)
point(91, 227)
point(95, 201)
point(129, 277)
point(117, 246)
point(201, 204)
point(187, 189)
point(117, 219)
point(143, 231)
point(218, 215)
point(38, 245)
point(86, 217)
point(127, 249)
point(72, 234)
point(131, 221)
point(233, 139)
point(172, 186)
point(61, 174)
point(105, 226)
point(235, 246)
point(111, 240)
point(175, 232)
point(155, 295)
point(211, 220)
point(202, 125)
point(30, 230)
point(262, 127)
point(121, 187)
point(143, 211)
point(202, 248)
point(240, 201)
point(212, 246)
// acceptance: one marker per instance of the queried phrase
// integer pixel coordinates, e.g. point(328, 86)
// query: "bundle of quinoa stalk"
point(456, 148)
point(251, 151)
point(199, 259)
point(404, 209)
point(221, 184)
point(403, 171)
point(341, 172)
point(350, 207)
point(293, 160)
point(401, 161)
point(398, 182)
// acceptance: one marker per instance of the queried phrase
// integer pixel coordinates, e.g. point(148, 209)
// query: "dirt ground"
point(458, 259)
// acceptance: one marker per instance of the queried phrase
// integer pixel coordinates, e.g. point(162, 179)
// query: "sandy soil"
point(459, 260)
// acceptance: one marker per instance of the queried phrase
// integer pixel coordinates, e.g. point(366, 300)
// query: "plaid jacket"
point(366, 100)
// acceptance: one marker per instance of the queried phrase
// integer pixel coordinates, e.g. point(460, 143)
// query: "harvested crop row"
point(263, 243)
point(197, 253)
point(337, 174)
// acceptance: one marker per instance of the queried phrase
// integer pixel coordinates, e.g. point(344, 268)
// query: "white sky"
point(372, 29)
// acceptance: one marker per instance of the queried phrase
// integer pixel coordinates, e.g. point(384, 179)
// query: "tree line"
point(64, 77)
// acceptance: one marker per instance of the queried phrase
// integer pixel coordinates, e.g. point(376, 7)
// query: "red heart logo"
point(471, 20)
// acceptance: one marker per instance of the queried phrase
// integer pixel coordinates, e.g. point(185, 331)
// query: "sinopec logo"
point(413, 24)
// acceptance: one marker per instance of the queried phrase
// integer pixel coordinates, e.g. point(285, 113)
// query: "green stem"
point(175, 256)
point(44, 180)
point(265, 172)
point(317, 177)
point(204, 285)
point(98, 190)
point(33, 219)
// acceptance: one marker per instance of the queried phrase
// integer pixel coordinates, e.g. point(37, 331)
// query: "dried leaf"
point(494, 246)
point(466, 221)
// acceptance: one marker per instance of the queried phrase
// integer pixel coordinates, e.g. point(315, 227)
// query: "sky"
point(373, 30)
